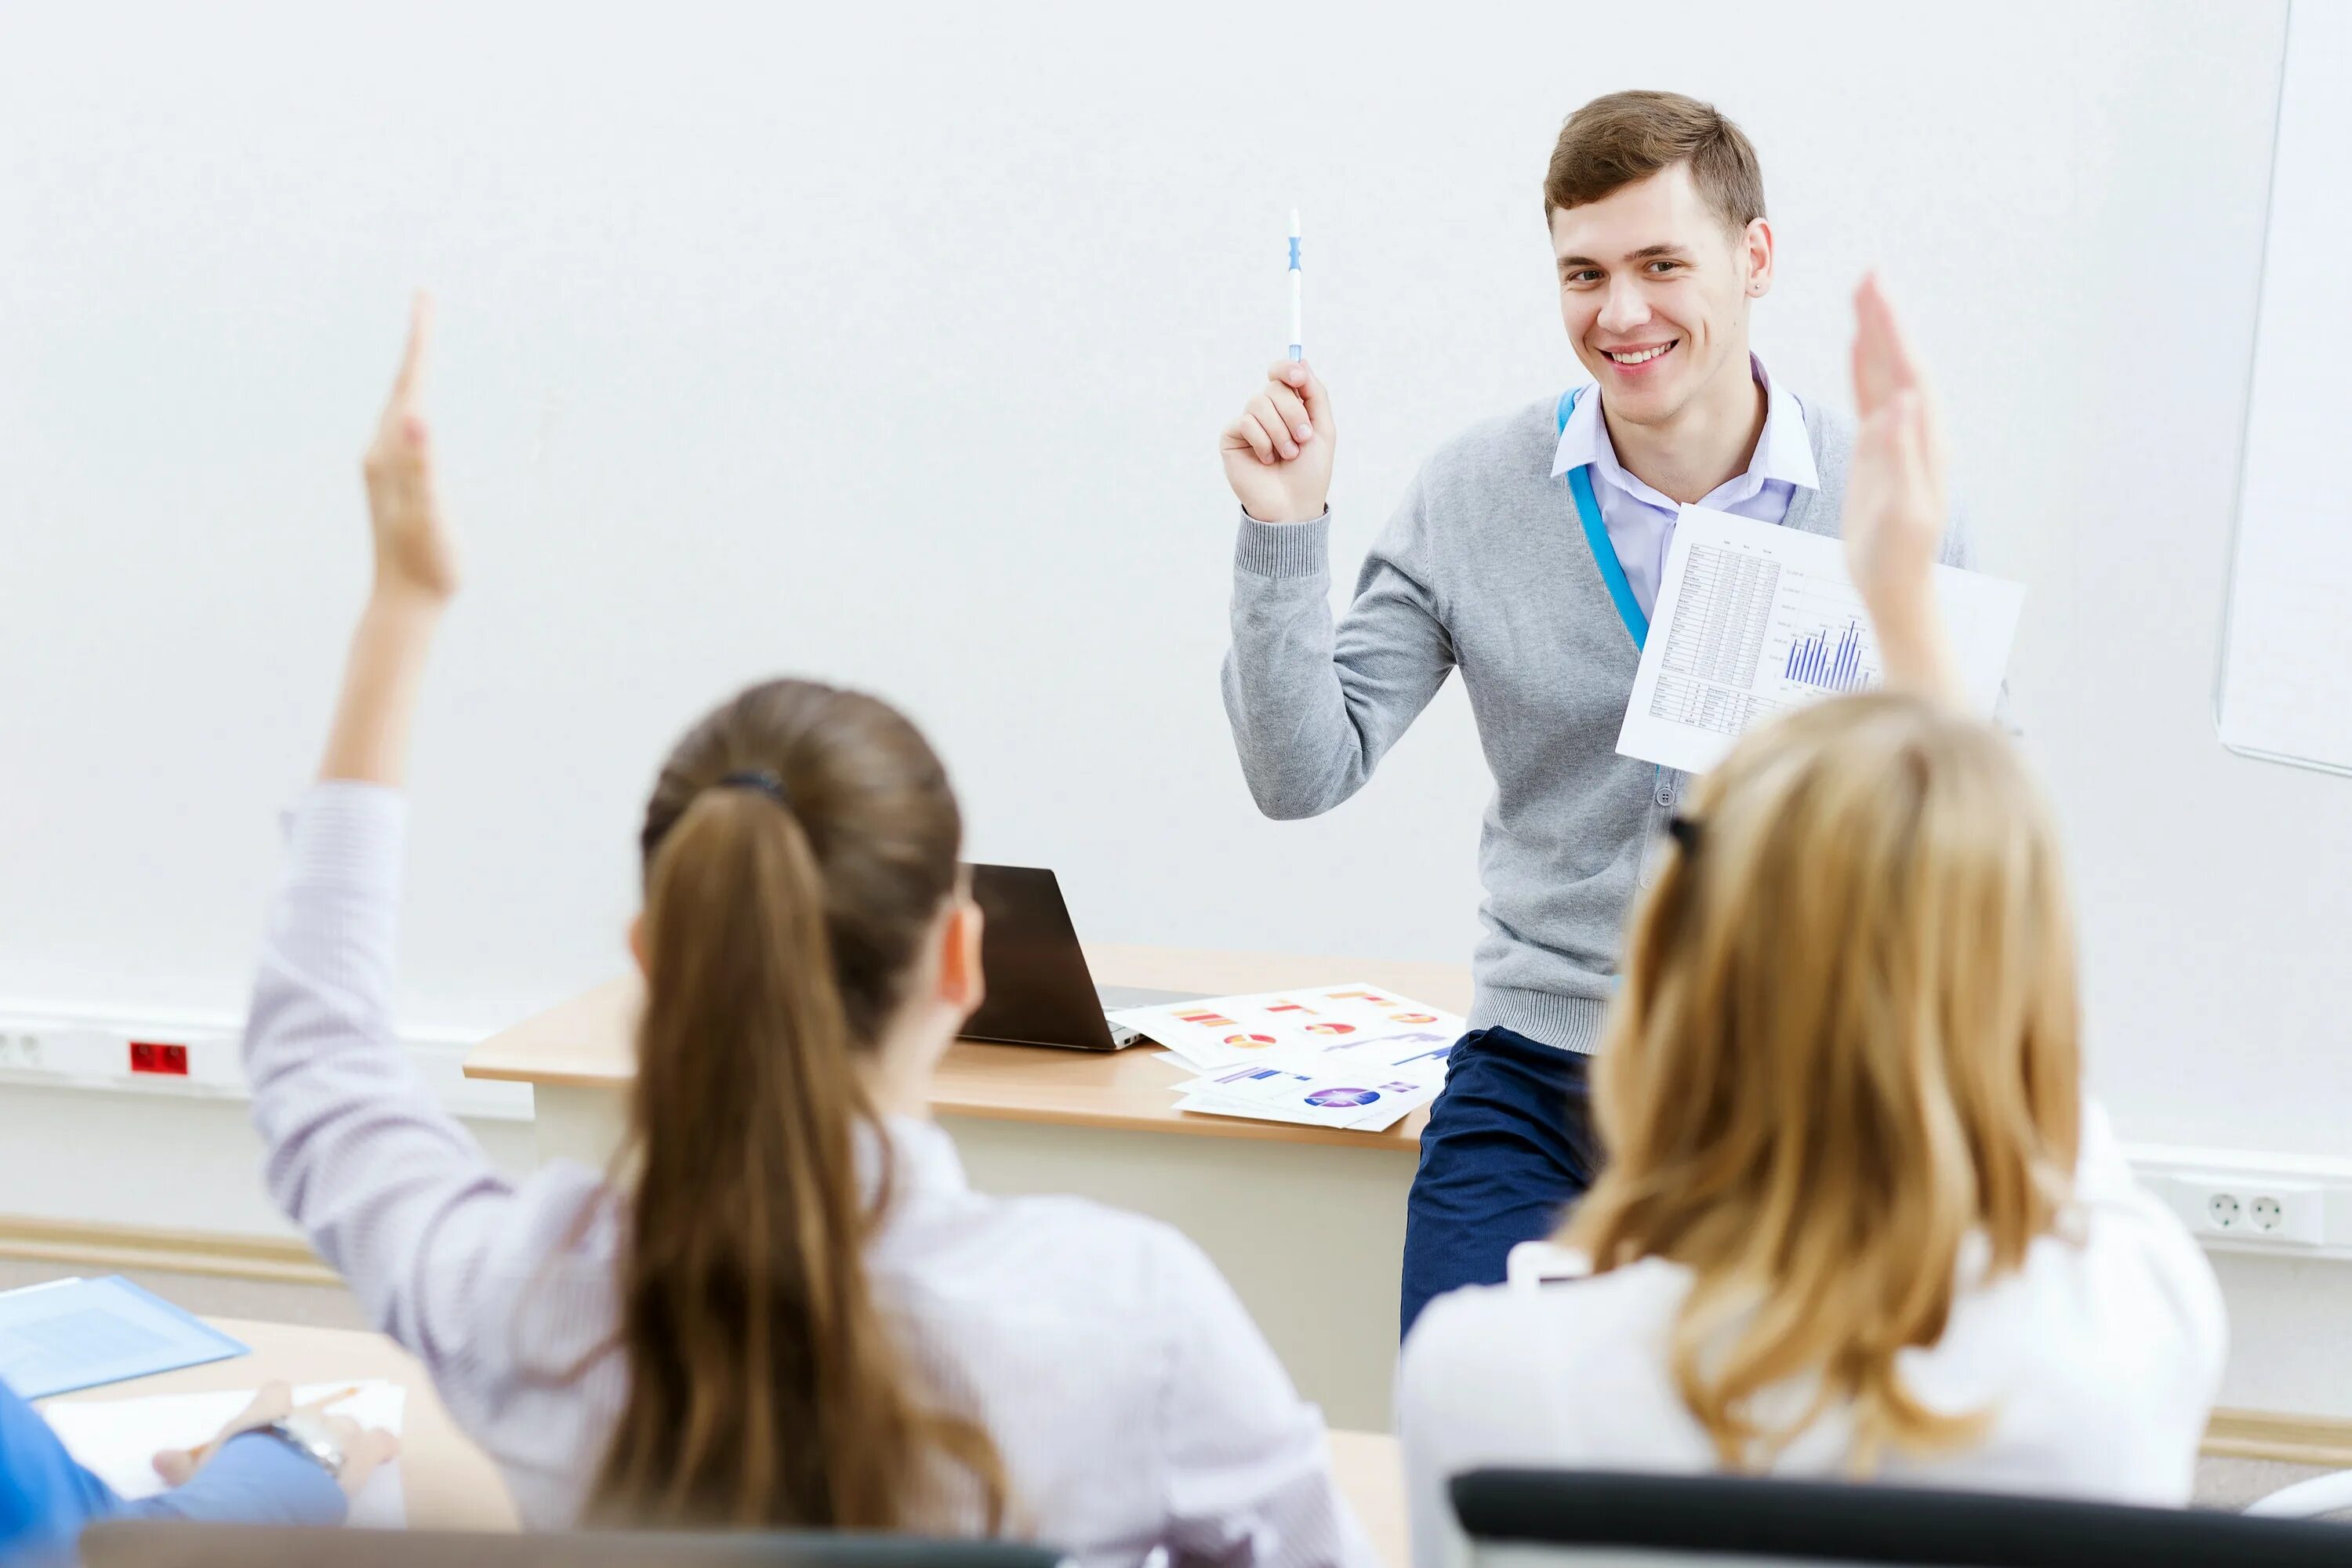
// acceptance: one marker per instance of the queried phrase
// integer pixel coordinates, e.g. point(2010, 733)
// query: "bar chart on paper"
point(1753, 619)
point(1813, 660)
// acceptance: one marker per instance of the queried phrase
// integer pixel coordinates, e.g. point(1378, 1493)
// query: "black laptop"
point(1040, 992)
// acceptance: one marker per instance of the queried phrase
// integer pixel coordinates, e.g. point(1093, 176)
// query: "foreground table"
point(450, 1484)
point(1306, 1222)
point(446, 1481)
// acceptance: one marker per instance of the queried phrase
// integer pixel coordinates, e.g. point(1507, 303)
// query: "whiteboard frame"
point(2245, 439)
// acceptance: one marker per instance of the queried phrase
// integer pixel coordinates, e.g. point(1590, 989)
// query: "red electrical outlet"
point(147, 1055)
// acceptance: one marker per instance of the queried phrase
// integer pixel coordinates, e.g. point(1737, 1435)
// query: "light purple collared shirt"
point(1139, 1414)
point(1640, 520)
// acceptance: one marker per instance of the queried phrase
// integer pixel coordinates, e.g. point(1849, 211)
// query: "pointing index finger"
point(410, 383)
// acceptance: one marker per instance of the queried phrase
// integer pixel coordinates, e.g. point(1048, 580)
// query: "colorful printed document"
point(1227, 1031)
point(1370, 1090)
point(78, 1333)
point(118, 1439)
point(1754, 619)
point(1351, 1055)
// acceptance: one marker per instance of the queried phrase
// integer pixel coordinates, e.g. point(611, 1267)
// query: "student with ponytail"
point(1857, 1218)
point(785, 1308)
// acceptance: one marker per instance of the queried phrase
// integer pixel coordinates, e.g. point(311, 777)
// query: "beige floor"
point(2221, 1483)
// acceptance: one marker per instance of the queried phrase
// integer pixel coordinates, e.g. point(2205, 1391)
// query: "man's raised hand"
point(1279, 453)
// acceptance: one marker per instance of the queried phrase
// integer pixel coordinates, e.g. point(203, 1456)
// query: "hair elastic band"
point(761, 780)
point(1686, 832)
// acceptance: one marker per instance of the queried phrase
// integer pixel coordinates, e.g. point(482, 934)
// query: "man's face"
point(1653, 289)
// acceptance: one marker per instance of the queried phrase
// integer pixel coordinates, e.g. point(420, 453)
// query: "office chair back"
point(170, 1543)
point(1587, 1519)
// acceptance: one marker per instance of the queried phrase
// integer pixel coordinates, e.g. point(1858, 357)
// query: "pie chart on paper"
point(1342, 1099)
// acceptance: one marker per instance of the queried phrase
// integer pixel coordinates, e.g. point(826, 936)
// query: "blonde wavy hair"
point(1846, 1040)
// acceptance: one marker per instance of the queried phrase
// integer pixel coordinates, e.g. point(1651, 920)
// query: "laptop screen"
point(1040, 992)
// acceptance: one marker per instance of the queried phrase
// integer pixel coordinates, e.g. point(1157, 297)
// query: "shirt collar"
point(924, 1164)
point(1784, 451)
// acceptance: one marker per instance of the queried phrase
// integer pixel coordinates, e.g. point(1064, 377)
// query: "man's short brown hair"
point(1614, 141)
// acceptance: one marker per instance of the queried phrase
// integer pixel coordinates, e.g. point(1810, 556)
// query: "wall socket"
point(2251, 1207)
point(75, 1054)
point(40, 1048)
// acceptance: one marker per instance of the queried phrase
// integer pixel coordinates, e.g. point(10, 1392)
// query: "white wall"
point(890, 345)
point(2212, 887)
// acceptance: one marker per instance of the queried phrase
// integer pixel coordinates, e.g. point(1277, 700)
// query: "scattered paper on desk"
point(1226, 1031)
point(78, 1333)
point(1754, 619)
point(118, 1439)
point(1381, 1119)
point(1364, 1083)
point(1352, 1055)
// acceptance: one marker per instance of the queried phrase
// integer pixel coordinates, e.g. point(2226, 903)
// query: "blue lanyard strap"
point(1596, 535)
point(1604, 555)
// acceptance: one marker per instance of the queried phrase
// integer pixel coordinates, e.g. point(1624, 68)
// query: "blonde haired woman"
point(1856, 1219)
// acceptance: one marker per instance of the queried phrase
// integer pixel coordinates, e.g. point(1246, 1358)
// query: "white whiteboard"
point(2285, 688)
point(890, 343)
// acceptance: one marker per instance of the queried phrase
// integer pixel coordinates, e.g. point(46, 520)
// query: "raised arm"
point(1314, 706)
point(415, 575)
point(390, 1188)
point(1896, 505)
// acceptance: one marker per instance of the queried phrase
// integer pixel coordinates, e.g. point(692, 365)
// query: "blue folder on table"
point(78, 1333)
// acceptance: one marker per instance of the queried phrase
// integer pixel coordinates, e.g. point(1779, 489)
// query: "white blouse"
point(1136, 1406)
point(2100, 1359)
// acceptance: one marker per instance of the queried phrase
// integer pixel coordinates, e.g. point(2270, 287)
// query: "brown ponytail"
point(783, 913)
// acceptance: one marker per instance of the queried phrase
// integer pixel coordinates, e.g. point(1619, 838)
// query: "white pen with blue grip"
point(1297, 327)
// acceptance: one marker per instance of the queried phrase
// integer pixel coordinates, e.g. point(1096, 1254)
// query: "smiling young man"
point(1528, 553)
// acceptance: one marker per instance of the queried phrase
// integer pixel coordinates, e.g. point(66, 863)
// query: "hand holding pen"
point(1279, 453)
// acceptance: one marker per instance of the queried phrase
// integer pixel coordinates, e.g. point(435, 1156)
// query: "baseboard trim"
point(2290, 1439)
point(2231, 1434)
point(128, 1246)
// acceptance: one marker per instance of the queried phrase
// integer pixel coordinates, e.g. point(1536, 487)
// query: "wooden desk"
point(1370, 1473)
point(450, 1484)
point(1306, 1222)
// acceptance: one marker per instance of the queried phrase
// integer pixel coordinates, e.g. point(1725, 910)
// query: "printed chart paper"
point(118, 1439)
point(1368, 1084)
point(1227, 1031)
point(1753, 619)
point(1351, 1055)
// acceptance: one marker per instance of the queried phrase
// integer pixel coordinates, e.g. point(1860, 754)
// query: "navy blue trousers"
point(1508, 1148)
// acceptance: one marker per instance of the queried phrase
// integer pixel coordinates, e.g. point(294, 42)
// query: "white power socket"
point(2248, 1207)
point(47, 1049)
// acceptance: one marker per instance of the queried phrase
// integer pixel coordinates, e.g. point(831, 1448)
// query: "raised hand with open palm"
point(1896, 505)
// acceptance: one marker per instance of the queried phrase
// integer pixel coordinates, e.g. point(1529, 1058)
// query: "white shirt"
point(1641, 520)
point(1136, 1406)
point(2100, 1358)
